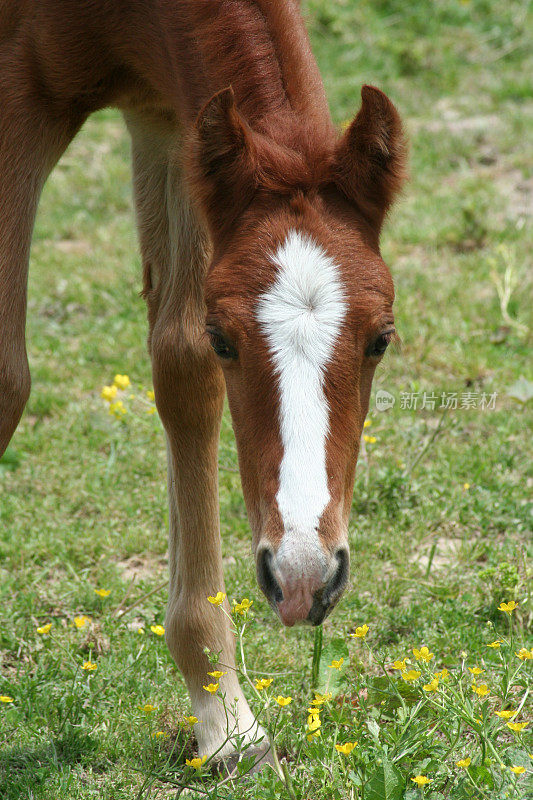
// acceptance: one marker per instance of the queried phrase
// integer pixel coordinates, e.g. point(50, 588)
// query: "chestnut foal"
point(259, 231)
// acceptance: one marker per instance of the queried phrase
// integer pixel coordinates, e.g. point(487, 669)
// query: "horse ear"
point(223, 157)
point(370, 159)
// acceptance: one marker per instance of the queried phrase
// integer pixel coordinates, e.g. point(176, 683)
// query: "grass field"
point(441, 524)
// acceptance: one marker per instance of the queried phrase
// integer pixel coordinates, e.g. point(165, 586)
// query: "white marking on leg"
point(301, 316)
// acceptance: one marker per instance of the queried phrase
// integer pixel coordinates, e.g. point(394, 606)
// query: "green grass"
point(83, 498)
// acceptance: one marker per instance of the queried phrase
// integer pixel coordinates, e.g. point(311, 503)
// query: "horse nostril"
point(266, 579)
point(334, 589)
point(325, 599)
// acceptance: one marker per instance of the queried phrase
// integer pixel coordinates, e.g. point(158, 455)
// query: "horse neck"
point(260, 48)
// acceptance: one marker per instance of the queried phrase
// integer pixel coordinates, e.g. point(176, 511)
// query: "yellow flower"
point(368, 423)
point(432, 686)
point(217, 674)
point(360, 632)
point(242, 607)
point(466, 486)
point(495, 644)
point(464, 762)
point(401, 665)
point(89, 665)
point(313, 735)
point(161, 734)
point(140, 631)
point(370, 439)
point(4, 698)
point(443, 674)
point(117, 409)
point(508, 607)
point(45, 628)
point(109, 393)
point(80, 622)
point(158, 630)
point(421, 780)
point(148, 708)
point(150, 394)
point(211, 687)
point(423, 654)
point(411, 675)
point(263, 683)
point(313, 722)
point(102, 592)
point(482, 690)
point(345, 748)
point(192, 720)
point(336, 664)
point(218, 599)
point(283, 701)
point(151, 410)
point(321, 698)
point(121, 381)
point(509, 714)
point(196, 763)
point(518, 770)
point(516, 726)
point(475, 670)
point(524, 653)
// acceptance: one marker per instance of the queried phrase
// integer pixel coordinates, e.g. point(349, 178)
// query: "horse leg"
point(31, 142)
point(189, 391)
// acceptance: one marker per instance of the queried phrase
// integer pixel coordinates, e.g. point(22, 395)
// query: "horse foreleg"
point(189, 390)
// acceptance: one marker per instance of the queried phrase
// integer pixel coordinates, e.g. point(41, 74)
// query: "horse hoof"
point(262, 755)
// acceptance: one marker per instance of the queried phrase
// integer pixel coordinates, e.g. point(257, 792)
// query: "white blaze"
point(301, 316)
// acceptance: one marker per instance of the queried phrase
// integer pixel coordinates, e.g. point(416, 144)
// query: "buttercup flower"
point(89, 665)
point(102, 592)
point(466, 486)
point(518, 770)
point(109, 393)
point(443, 674)
point(401, 665)
point(509, 714)
point(411, 675)
point(475, 670)
point(80, 622)
point(158, 630)
point(140, 631)
point(192, 720)
point(336, 664)
point(217, 674)
point(45, 628)
point(283, 701)
point(148, 708)
point(117, 409)
point(242, 607)
point(423, 654)
point(360, 632)
point(321, 698)
point(464, 762)
point(150, 394)
point(482, 690)
point(211, 688)
point(432, 686)
point(516, 726)
point(508, 607)
point(345, 748)
point(4, 698)
point(313, 723)
point(218, 599)
point(524, 654)
point(195, 763)
point(161, 735)
point(263, 683)
point(367, 423)
point(495, 644)
point(313, 735)
point(370, 439)
point(121, 381)
point(421, 780)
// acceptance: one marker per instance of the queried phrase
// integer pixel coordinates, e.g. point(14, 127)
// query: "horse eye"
point(220, 345)
point(378, 347)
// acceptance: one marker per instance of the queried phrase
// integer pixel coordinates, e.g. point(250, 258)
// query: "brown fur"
point(232, 146)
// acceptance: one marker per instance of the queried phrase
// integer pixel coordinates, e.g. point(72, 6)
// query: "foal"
point(259, 230)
